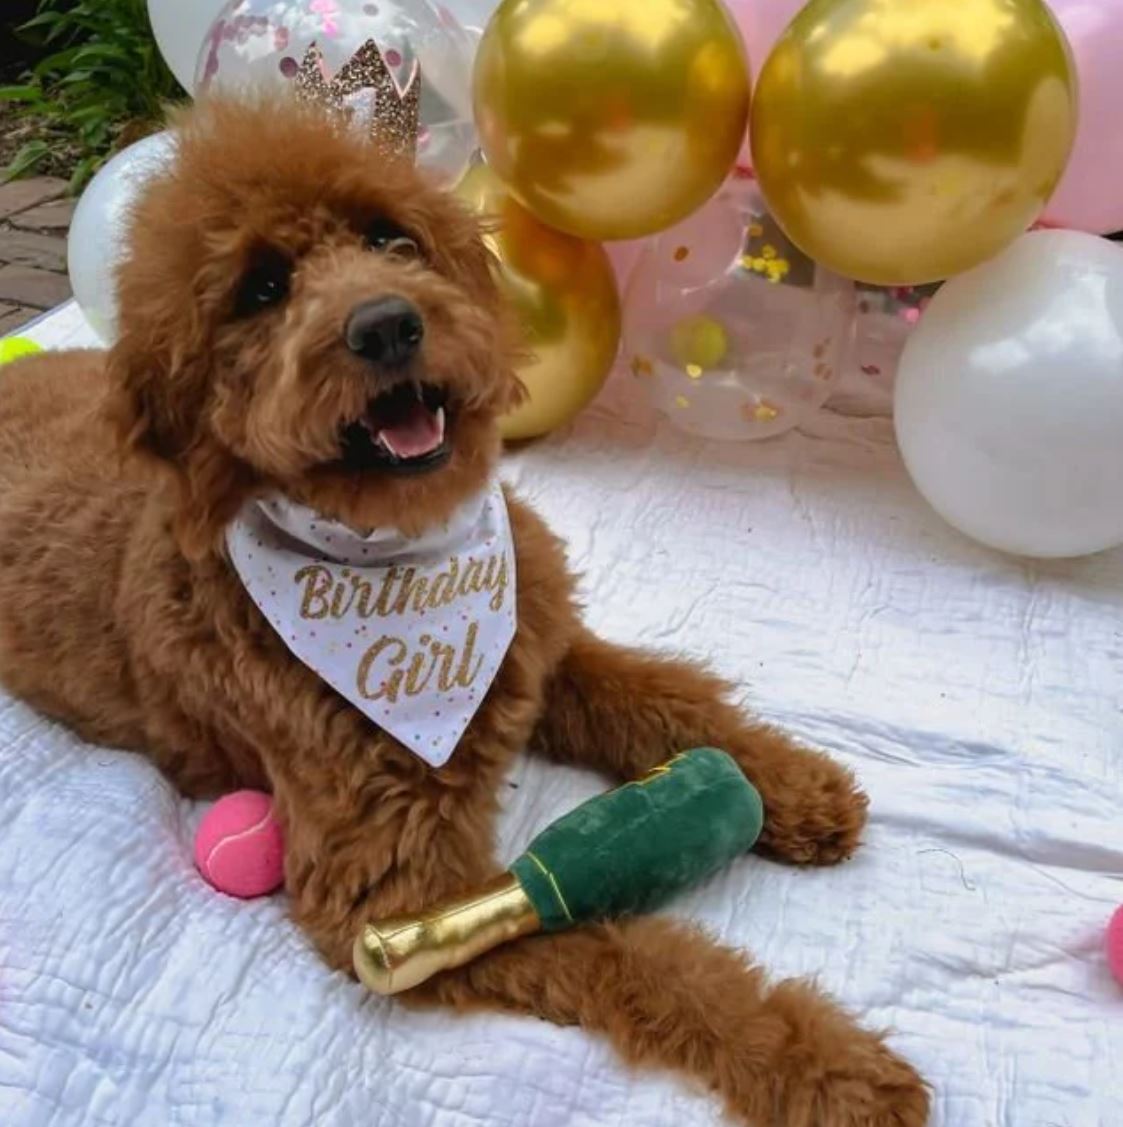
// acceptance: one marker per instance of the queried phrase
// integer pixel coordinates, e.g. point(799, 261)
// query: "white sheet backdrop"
point(980, 699)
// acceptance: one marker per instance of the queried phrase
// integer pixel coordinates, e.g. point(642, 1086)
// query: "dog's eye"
point(266, 284)
point(386, 236)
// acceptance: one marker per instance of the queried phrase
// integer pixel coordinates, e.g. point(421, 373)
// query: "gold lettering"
point(318, 581)
point(473, 577)
point(414, 588)
point(466, 674)
point(415, 684)
point(338, 607)
point(361, 594)
point(382, 604)
point(499, 584)
point(445, 655)
point(390, 686)
point(442, 591)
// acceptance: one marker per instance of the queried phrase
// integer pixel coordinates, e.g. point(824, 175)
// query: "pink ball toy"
point(1115, 946)
point(239, 847)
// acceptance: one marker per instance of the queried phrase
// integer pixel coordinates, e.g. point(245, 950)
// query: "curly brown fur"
point(120, 614)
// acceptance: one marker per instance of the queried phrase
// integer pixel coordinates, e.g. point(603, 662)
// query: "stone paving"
point(34, 219)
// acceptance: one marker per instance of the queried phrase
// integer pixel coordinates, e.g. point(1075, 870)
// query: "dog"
point(305, 319)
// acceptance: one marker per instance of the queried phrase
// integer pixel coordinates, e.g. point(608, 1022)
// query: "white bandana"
point(411, 632)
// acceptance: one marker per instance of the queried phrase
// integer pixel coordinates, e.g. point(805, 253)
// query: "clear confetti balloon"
point(262, 43)
point(887, 316)
point(733, 332)
point(471, 14)
point(178, 26)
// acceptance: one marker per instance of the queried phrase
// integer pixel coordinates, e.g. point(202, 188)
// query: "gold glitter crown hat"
point(365, 94)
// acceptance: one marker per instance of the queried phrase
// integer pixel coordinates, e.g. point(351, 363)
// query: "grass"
point(97, 83)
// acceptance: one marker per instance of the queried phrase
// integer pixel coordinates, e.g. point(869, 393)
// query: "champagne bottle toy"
point(619, 854)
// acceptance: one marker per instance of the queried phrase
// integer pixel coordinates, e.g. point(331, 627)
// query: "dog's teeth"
point(440, 415)
point(417, 392)
point(381, 437)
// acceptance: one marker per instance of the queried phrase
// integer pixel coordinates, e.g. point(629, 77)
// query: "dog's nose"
point(387, 331)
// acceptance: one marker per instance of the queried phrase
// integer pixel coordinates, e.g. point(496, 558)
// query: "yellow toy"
point(12, 348)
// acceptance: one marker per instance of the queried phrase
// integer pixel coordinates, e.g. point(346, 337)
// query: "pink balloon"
point(1091, 194)
point(761, 23)
point(623, 257)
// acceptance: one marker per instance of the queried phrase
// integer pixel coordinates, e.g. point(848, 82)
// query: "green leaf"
point(101, 72)
point(20, 94)
point(26, 159)
point(83, 173)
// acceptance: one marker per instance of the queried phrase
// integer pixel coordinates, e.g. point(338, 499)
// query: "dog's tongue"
point(416, 433)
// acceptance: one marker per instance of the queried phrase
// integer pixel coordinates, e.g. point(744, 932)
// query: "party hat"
point(364, 93)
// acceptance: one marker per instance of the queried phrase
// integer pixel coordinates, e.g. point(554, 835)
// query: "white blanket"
point(979, 698)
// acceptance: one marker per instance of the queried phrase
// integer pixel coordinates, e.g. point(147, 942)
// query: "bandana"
point(411, 631)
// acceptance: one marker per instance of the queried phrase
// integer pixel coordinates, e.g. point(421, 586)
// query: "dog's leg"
point(662, 993)
point(623, 712)
point(667, 997)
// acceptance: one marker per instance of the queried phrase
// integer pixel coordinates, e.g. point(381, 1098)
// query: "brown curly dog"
point(121, 615)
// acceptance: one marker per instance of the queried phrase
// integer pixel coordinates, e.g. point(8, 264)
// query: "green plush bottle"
point(618, 854)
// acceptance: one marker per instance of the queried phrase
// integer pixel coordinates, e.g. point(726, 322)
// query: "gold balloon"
point(564, 291)
point(900, 142)
point(612, 119)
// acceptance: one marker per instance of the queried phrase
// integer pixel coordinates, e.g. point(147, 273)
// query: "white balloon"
point(473, 15)
point(180, 26)
point(1009, 401)
point(97, 232)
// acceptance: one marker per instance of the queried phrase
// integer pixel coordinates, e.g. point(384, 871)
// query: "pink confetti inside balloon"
point(260, 44)
point(886, 319)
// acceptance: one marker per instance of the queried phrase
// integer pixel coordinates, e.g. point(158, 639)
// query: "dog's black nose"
point(387, 331)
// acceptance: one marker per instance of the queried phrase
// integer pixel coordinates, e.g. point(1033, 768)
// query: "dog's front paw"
point(840, 1075)
point(814, 811)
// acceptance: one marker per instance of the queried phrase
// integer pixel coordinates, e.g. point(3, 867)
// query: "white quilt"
point(979, 698)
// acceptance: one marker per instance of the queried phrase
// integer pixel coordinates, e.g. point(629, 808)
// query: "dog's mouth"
point(403, 430)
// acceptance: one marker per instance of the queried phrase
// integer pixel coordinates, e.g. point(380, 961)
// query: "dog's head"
point(300, 313)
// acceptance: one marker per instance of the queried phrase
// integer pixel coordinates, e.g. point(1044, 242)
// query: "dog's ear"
point(157, 404)
point(478, 268)
point(154, 400)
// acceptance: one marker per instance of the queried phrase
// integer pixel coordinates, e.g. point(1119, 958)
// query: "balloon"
point(887, 317)
point(624, 257)
point(564, 292)
point(472, 15)
point(1009, 401)
point(261, 43)
point(761, 23)
point(901, 143)
point(179, 27)
point(611, 120)
point(732, 331)
point(96, 242)
point(1090, 196)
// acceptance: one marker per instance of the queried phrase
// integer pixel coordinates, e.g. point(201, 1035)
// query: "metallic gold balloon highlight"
point(612, 119)
point(900, 142)
point(564, 292)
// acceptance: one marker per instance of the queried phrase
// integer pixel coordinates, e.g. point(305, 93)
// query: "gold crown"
point(364, 93)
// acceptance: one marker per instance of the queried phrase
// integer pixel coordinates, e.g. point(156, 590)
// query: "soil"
point(16, 56)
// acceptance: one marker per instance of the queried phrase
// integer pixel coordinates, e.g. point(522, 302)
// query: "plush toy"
point(623, 852)
point(239, 847)
point(12, 348)
point(1115, 946)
